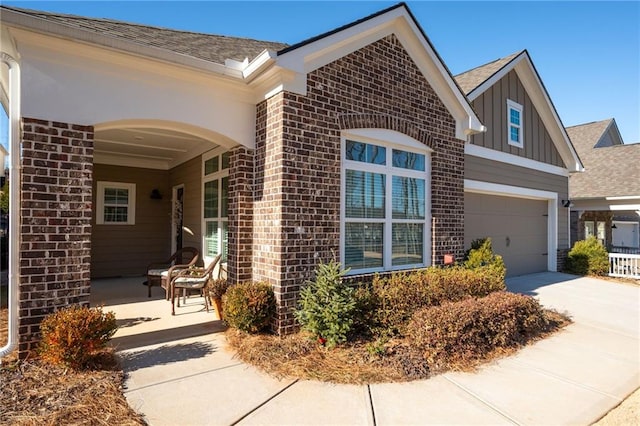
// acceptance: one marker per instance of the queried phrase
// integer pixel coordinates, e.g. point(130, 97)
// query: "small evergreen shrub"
point(398, 296)
point(588, 257)
point(74, 336)
point(471, 328)
point(249, 307)
point(481, 254)
point(327, 306)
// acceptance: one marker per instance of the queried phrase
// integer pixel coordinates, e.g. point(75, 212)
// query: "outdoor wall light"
point(155, 194)
point(614, 226)
point(567, 203)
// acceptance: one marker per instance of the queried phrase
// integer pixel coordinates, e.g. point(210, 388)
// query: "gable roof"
point(610, 171)
point(473, 78)
point(398, 20)
point(586, 136)
point(208, 47)
point(480, 79)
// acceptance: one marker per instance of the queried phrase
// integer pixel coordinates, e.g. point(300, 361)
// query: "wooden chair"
point(158, 273)
point(192, 279)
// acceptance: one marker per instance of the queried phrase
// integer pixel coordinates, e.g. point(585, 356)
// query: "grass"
point(358, 362)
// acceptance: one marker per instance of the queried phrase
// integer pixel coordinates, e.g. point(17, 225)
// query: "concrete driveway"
point(573, 377)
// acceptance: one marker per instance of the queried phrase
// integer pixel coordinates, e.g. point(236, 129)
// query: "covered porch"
point(144, 321)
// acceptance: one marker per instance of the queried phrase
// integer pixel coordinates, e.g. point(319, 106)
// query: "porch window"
point(514, 126)
point(595, 229)
point(116, 203)
point(215, 198)
point(384, 199)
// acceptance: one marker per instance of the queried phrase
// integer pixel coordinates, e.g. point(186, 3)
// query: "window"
point(514, 127)
point(215, 182)
point(116, 203)
point(384, 206)
point(595, 229)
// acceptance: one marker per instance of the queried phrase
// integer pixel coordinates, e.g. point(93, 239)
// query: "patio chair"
point(192, 279)
point(158, 273)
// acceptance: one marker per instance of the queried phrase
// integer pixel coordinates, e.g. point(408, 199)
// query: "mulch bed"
point(35, 393)
point(357, 362)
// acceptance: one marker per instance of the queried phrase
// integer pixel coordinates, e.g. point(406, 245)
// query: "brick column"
point(55, 248)
point(239, 262)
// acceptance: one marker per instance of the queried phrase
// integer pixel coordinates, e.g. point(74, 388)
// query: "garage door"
point(517, 227)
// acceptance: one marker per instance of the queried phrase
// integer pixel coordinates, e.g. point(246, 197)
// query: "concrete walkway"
point(573, 377)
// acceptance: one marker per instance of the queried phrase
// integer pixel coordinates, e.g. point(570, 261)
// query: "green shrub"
point(588, 257)
point(471, 328)
point(249, 307)
point(327, 305)
point(74, 336)
point(399, 295)
point(481, 254)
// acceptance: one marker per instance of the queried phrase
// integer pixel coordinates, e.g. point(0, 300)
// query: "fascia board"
point(533, 85)
point(316, 54)
point(495, 78)
point(56, 49)
point(20, 20)
point(540, 99)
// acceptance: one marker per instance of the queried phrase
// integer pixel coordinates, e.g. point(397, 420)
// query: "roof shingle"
point(473, 78)
point(611, 171)
point(209, 47)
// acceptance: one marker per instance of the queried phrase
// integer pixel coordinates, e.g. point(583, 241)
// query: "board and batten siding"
point(480, 169)
point(189, 174)
point(491, 107)
point(126, 250)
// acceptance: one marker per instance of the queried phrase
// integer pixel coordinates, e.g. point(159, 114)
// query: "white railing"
point(624, 265)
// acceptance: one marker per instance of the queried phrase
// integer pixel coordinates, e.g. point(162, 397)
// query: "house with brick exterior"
point(357, 143)
point(606, 197)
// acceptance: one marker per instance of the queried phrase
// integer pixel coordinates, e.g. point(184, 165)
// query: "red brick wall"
point(297, 164)
point(240, 210)
point(55, 249)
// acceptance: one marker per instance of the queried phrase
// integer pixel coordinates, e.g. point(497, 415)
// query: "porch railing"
point(626, 250)
point(624, 265)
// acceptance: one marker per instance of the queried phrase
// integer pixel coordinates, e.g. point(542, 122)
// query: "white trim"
point(516, 160)
point(626, 197)
point(488, 188)
point(540, 101)
point(396, 140)
point(218, 175)
point(398, 21)
point(131, 206)
point(512, 105)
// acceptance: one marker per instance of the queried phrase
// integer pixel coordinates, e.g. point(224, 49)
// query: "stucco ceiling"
point(147, 147)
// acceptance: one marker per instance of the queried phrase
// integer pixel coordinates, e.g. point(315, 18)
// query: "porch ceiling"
point(147, 147)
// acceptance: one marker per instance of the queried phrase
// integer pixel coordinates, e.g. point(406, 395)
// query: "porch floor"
point(146, 321)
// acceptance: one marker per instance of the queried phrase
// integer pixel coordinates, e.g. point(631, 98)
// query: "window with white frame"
point(385, 212)
point(215, 190)
point(514, 124)
point(116, 203)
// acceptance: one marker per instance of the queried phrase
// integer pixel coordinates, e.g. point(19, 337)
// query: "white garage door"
point(517, 227)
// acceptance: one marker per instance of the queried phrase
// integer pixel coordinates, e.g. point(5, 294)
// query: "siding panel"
point(125, 250)
point(492, 110)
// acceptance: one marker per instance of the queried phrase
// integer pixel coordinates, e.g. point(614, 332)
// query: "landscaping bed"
point(399, 327)
point(35, 393)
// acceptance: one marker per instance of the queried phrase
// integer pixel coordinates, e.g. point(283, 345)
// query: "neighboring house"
point(606, 197)
point(136, 140)
point(516, 173)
